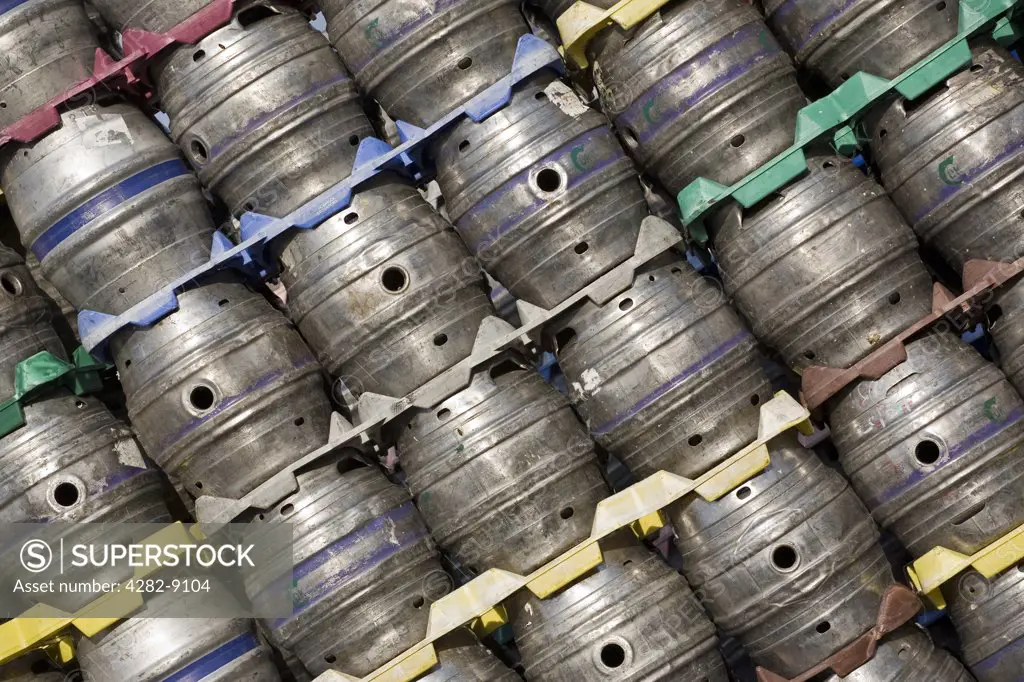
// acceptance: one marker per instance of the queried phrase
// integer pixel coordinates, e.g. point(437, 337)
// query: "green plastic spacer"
point(43, 372)
point(836, 113)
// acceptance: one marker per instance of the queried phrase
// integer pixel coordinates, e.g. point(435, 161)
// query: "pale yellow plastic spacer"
point(478, 602)
point(46, 628)
point(581, 22)
point(940, 565)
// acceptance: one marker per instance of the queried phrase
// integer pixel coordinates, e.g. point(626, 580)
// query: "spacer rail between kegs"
point(494, 336)
point(835, 112)
point(46, 628)
point(819, 383)
point(373, 157)
point(940, 565)
point(582, 21)
point(478, 602)
point(42, 372)
point(139, 47)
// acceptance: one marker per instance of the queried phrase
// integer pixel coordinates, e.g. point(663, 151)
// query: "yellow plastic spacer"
point(581, 22)
point(478, 602)
point(940, 565)
point(490, 621)
point(648, 525)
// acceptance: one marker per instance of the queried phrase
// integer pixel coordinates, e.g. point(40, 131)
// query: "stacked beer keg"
point(233, 387)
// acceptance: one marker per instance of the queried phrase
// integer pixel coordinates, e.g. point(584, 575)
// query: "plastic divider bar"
point(819, 383)
point(582, 21)
point(843, 105)
point(47, 628)
point(478, 602)
point(138, 47)
point(373, 156)
point(42, 372)
point(493, 337)
point(940, 565)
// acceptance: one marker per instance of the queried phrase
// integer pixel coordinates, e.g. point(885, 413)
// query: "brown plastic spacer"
point(821, 383)
point(899, 604)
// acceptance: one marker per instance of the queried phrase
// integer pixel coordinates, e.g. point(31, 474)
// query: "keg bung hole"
point(695, 440)
point(940, 7)
point(540, 95)
point(199, 152)
point(464, 145)
point(784, 558)
point(581, 248)
point(567, 513)
point(201, 398)
point(199, 485)
point(883, 133)
point(351, 218)
point(198, 55)
point(80, 404)
point(222, 302)
point(927, 452)
point(895, 298)
point(737, 141)
point(287, 509)
point(66, 494)
point(977, 68)
point(394, 279)
point(331, 658)
point(465, 63)
point(625, 304)
point(828, 165)
point(443, 413)
point(823, 627)
point(418, 602)
point(3, 105)
point(903, 652)
point(613, 655)
point(743, 493)
point(353, 140)
point(755, 400)
point(440, 339)
point(11, 284)
point(299, 421)
point(549, 180)
point(810, 354)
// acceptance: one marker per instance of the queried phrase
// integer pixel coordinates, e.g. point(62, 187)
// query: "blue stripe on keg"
point(216, 659)
point(8, 5)
point(105, 202)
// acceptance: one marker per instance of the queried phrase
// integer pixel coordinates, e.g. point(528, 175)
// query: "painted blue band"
point(216, 659)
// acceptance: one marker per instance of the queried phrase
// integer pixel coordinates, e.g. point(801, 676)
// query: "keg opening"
point(823, 627)
point(440, 339)
point(418, 602)
point(977, 68)
point(464, 145)
point(940, 7)
point(353, 140)
point(255, 14)
point(895, 298)
point(127, 364)
point(755, 400)
point(613, 655)
point(784, 558)
point(198, 55)
point(581, 248)
point(465, 63)
point(201, 398)
point(248, 207)
point(549, 180)
point(287, 509)
point(351, 218)
point(299, 421)
point(80, 404)
point(903, 652)
point(199, 152)
point(695, 440)
point(927, 452)
point(563, 338)
point(883, 133)
point(541, 95)
point(677, 271)
point(743, 493)
point(627, 562)
point(737, 141)
point(631, 137)
point(11, 284)
point(443, 413)
point(66, 494)
point(567, 513)
point(331, 658)
point(199, 485)
point(810, 354)
point(222, 302)
point(3, 105)
point(625, 304)
point(394, 279)
point(969, 514)
point(828, 165)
